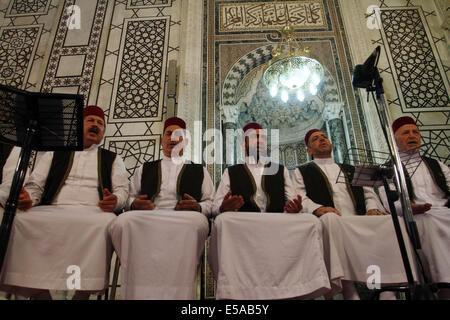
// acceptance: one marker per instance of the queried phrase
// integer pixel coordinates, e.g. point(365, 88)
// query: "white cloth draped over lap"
point(46, 240)
point(352, 244)
point(434, 225)
point(159, 251)
point(434, 232)
point(267, 256)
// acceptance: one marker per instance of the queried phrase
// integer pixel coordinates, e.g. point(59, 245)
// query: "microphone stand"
point(374, 83)
point(16, 187)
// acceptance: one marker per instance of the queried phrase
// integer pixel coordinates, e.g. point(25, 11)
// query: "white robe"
point(46, 240)
point(266, 255)
point(434, 225)
point(160, 249)
point(159, 253)
point(257, 255)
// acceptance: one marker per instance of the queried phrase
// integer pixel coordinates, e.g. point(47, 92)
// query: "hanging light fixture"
point(292, 70)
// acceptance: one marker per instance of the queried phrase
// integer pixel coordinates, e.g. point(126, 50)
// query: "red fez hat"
point(95, 111)
point(252, 125)
point(309, 133)
point(401, 122)
point(174, 121)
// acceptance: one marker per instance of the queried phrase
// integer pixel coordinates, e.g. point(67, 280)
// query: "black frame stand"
point(35, 121)
point(367, 76)
point(16, 187)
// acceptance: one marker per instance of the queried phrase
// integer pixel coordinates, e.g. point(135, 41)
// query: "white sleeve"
point(207, 193)
point(384, 200)
point(222, 190)
point(135, 186)
point(446, 172)
point(372, 200)
point(36, 183)
point(300, 188)
point(120, 183)
point(8, 174)
point(289, 190)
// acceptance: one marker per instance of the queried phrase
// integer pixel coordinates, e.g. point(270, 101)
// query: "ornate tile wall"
point(417, 69)
point(117, 58)
point(143, 37)
point(25, 28)
point(238, 41)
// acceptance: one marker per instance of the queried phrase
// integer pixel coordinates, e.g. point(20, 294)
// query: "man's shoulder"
point(306, 165)
point(152, 162)
point(193, 164)
point(108, 153)
point(433, 160)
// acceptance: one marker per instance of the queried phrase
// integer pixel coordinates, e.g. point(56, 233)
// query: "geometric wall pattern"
point(139, 93)
point(117, 59)
point(77, 54)
point(25, 8)
point(418, 73)
point(134, 149)
point(17, 47)
point(143, 37)
point(24, 36)
point(147, 3)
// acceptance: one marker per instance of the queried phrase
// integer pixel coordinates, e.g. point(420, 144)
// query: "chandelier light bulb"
point(284, 96)
point(295, 79)
point(273, 91)
point(315, 79)
point(292, 69)
point(305, 73)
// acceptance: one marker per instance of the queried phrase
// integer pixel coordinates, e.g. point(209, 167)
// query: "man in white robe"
point(428, 184)
point(261, 253)
point(319, 183)
point(160, 241)
point(74, 195)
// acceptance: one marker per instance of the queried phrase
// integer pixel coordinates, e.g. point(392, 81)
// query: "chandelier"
point(292, 70)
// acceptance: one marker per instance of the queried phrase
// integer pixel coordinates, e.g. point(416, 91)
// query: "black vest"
point(242, 183)
point(436, 173)
point(319, 190)
point(5, 151)
point(190, 180)
point(62, 164)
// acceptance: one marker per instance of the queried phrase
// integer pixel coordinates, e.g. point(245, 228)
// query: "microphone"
point(364, 74)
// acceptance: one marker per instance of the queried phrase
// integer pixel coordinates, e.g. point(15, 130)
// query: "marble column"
point(229, 114)
point(190, 74)
point(332, 115)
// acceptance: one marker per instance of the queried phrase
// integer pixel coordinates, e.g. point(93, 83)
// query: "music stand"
point(35, 121)
point(374, 169)
point(367, 76)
